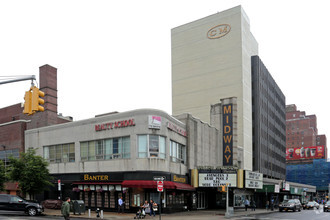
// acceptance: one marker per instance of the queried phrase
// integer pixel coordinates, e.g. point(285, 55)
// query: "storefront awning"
point(153, 184)
point(96, 183)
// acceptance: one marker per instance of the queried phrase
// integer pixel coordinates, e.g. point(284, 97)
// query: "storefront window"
point(151, 146)
point(177, 152)
point(106, 149)
point(61, 153)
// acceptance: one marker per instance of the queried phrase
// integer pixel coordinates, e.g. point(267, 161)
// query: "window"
point(61, 153)
point(151, 146)
point(177, 152)
point(106, 149)
point(5, 154)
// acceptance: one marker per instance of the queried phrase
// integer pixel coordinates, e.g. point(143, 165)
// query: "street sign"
point(159, 178)
point(160, 186)
point(59, 185)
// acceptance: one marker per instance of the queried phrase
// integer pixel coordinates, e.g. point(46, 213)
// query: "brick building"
point(13, 123)
point(302, 133)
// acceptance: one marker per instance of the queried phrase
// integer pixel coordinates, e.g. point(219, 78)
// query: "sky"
point(116, 55)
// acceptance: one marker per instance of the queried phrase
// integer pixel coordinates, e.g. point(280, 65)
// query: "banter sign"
point(227, 119)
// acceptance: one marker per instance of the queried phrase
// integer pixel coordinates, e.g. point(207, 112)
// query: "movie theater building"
point(100, 159)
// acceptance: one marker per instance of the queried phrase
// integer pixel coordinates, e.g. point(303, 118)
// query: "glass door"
point(201, 201)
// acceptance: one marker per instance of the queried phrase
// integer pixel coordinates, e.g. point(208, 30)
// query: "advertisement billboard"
point(314, 152)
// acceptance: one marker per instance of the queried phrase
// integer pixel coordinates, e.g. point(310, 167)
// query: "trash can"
point(78, 207)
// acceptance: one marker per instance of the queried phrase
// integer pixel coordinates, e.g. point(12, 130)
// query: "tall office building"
point(268, 103)
point(211, 60)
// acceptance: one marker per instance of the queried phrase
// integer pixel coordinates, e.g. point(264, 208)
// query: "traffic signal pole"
point(18, 79)
point(32, 100)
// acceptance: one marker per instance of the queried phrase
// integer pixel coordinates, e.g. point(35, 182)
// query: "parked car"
point(16, 203)
point(290, 204)
point(312, 205)
point(326, 206)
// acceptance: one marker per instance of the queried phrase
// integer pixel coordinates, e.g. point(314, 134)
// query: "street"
point(303, 215)
point(209, 215)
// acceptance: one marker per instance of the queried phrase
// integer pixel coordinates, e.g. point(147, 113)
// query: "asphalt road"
point(303, 215)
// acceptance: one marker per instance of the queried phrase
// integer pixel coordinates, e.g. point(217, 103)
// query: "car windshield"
point(310, 203)
point(288, 201)
point(328, 203)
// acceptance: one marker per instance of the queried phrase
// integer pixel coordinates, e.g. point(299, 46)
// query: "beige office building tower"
point(211, 60)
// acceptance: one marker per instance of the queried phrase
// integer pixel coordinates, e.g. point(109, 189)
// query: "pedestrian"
point(267, 205)
point(121, 204)
point(253, 205)
point(146, 207)
point(272, 204)
point(65, 210)
point(247, 204)
point(153, 208)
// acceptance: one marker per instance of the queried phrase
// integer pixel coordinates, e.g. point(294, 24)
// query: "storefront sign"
point(217, 179)
point(218, 31)
point(179, 179)
point(277, 188)
point(252, 184)
point(253, 180)
point(313, 152)
point(155, 122)
point(227, 129)
point(176, 129)
point(115, 125)
point(88, 177)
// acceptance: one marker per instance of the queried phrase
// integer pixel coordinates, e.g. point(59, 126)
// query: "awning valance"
point(150, 184)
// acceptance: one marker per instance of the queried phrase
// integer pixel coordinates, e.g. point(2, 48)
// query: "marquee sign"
point(227, 131)
point(217, 179)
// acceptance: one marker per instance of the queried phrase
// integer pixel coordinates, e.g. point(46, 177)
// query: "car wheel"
point(299, 210)
point(32, 211)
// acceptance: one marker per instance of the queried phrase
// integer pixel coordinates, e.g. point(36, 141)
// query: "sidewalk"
point(191, 215)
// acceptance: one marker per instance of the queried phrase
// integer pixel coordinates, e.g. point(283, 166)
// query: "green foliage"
point(31, 172)
point(2, 176)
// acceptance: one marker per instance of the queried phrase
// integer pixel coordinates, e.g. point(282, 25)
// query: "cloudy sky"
point(116, 55)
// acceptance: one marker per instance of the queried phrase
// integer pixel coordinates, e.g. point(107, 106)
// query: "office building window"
point(106, 149)
point(177, 152)
point(151, 146)
point(61, 153)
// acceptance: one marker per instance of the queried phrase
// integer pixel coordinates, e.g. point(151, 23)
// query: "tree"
point(2, 176)
point(31, 172)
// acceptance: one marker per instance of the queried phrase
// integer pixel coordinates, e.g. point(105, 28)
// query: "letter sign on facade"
point(227, 131)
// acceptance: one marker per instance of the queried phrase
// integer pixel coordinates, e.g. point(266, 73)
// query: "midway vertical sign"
point(227, 129)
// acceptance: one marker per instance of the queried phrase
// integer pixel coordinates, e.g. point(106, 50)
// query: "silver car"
point(290, 204)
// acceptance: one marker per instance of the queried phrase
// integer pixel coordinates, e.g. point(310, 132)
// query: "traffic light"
point(36, 100)
point(28, 103)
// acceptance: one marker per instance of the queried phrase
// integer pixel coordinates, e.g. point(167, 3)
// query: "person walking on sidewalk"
point(247, 204)
point(121, 205)
point(65, 210)
point(153, 208)
point(253, 205)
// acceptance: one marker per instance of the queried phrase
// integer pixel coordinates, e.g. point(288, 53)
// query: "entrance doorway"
point(201, 200)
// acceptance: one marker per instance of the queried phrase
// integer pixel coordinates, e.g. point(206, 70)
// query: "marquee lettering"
point(227, 128)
